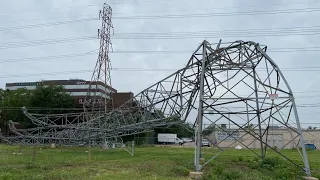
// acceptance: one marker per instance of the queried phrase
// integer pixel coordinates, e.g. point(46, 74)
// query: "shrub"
point(270, 163)
point(231, 174)
point(222, 173)
point(30, 166)
point(240, 158)
point(181, 171)
point(6, 176)
point(218, 169)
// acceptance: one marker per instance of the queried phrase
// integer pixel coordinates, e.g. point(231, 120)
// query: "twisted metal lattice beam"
point(241, 84)
point(238, 84)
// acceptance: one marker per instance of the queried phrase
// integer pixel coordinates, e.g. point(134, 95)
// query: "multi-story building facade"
point(79, 89)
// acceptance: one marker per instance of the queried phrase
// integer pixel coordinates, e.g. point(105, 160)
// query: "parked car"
point(187, 140)
point(310, 146)
point(205, 143)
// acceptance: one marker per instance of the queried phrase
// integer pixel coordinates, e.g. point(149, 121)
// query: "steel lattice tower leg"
point(200, 111)
point(304, 152)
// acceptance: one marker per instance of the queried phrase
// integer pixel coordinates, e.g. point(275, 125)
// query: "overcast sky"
point(17, 15)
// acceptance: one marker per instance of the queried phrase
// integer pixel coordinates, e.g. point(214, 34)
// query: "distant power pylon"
point(99, 97)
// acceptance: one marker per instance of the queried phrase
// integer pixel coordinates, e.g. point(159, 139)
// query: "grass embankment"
point(147, 163)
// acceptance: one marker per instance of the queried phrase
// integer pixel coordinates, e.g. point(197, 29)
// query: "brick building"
point(120, 98)
point(78, 88)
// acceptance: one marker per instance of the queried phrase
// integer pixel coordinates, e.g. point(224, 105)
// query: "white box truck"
point(167, 138)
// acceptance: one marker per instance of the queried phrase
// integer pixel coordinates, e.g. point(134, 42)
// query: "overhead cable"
point(9, 45)
point(163, 1)
point(46, 24)
point(41, 58)
point(124, 69)
point(277, 50)
point(203, 15)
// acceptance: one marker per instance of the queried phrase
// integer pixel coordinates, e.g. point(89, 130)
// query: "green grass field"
point(148, 163)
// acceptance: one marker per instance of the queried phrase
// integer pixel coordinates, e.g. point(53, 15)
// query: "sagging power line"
point(139, 70)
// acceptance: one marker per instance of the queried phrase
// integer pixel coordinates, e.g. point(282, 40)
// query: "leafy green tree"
point(1, 94)
point(10, 104)
point(51, 97)
point(182, 130)
point(209, 130)
point(43, 97)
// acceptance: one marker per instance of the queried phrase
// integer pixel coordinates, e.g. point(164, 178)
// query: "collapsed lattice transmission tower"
point(242, 86)
point(99, 96)
point(234, 83)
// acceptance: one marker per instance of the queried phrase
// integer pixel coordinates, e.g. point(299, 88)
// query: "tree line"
point(42, 99)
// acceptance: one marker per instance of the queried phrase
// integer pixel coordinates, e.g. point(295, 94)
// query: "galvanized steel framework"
point(102, 69)
point(237, 84)
point(242, 81)
point(257, 93)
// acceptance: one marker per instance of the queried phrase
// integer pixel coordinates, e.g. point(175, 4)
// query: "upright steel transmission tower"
point(99, 96)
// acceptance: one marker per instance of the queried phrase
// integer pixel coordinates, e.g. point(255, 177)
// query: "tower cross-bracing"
point(227, 83)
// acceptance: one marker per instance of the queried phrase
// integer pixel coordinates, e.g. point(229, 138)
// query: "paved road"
point(185, 145)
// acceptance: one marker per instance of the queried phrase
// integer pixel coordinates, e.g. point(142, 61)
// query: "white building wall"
point(282, 138)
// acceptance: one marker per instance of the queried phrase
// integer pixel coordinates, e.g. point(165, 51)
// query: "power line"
point(47, 73)
point(122, 69)
point(47, 9)
point(83, 38)
point(202, 15)
point(312, 49)
point(228, 7)
point(282, 31)
point(302, 49)
point(47, 18)
point(162, 11)
point(190, 51)
point(47, 57)
point(289, 29)
point(243, 35)
point(92, 5)
point(166, 69)
point(47, 24)
point(41, 40)
point(20, 44)
point(293, 49)
point(165, 16)
point(86, 5)
point(183, 35)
